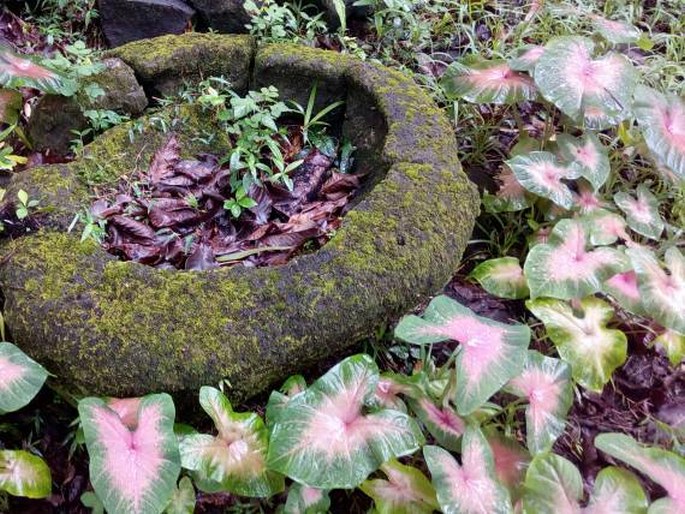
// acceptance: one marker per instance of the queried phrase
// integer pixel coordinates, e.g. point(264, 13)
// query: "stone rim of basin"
point(108, 327)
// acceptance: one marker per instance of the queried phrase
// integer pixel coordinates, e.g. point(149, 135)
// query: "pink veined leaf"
point(642, 212)
point(469, 488)
point(24, 474)
point(20, 378)
point(617, 491)
point(565, 268)
point(293, 386)
point(662, 120)
point(546, 383)
point(596, 91)
point(502, 277)
point(306, 500)
point(553, 485)
point(604, 227)
point(389, 388)
point(673, 343)
point(487, 82)
point(616, 32)
point(443, 423)
point(526, 58)
point(490, 353)
point(22, 71)
point(624, 289)
point(511, 461)
point(132, 470)
point(543, 174)
point(511, 195)
point(589, 154)
point(586, 200)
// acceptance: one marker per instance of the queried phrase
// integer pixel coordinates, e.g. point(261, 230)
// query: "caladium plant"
point(134, 459)
point(23, 71)
point(20, 378)
point(182, 499)
point(642, 212)
point(526, 58)
point(673, 343)
point(511, 195)
point(615, 32)
point(511, 461)
point(588, 154)
point(306, 500)
point(24, 474)
point(489, 355)
point(604, 227)
point(624, 289)
point(443, 423)
point(502, 277)
point(235, 459)
point(332, 436)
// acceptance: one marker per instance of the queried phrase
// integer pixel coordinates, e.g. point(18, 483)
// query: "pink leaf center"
point(626, 284)
point(10, 373)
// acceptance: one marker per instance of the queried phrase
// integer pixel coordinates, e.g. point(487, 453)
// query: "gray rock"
point(122, 91)
point(226, 16)
point(123, 21)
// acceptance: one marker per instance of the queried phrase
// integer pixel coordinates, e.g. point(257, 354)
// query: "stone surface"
point(118, 328)
point(226, 16)
point(123, 21)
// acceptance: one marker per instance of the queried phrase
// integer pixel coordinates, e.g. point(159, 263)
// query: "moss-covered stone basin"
point(108, 327)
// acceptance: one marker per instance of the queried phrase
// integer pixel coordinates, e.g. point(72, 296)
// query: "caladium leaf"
point(662, 121)
point(469, 488)
point(662, 293)
point(582, 338)
point(624, 289)
point(324, 439)
point(278, 399)
point(511, 195)
point(490, 353)
point(487, 82)
point(90, 499)
point(406, 491)
point(564, 268)
point(183, 498)
point(598, 91)
point(617, 491)
point(306, 500)
point(443, 423)
point(511, 461)
point(23, 71)
point(615, 32)
point(673, 343)
point(543, 174)
point(390, 386)
point(502, 277)
point(235, 460)
point(24, 474)
point(10, 105)
point(553, 486)
point(526, 58)
point(642, 212)
point(134, 462)
point(546, 383)
point(666, 468)
point(589, 154)
point(604, 227)
point(20, 378)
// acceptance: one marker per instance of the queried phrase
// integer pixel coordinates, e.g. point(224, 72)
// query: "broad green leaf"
point(582, 338)
point(617, 491)
point(20, 378)
point(24, 474)
point(564, 268)
point(502, 277)
point(134, 460)
point(90, 499)
point(597, 92)
point(546, 383)
point(526, 58)
point(673, 343)
point(490, 353)
point(234, 460)
point(642, 212)
point(469, 488)
point(543, 174)
point(511, 195)
point(624, 289)
point(183, 498)
point(487, 82)
point(662, 292)
point(329, 436)
point(10, 105)
point(553, 486)
point(278, 399)
point(406, 491)
point(306, 500)
point(511, 462)
point(604, 227)
point(666, 468)
point(615, 32)
point(23, 71)
point(589, 154)
point(443, 423)
point(662, 120)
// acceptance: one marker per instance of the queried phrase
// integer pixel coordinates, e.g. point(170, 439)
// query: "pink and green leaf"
point(673, 344)
point(564, 268)
point(604, 227)
point(24, 474)
point(325, 438)
point(235, 460)
point(502, 277)
point(487, 82)
point(666, 468)
point(589, 154)
point(642, 212)
point(526, 58)
point(553, 486)
point(543, 174)
point(182, 499)
point(597, 92)
point(279, 399)
point(582, 338)
point(511, 461)
point(10, 105)
point(662, 120)
point(389, 388)
point(23, 71)
point(511, 195)
point(469, 488)
point(546, 384)
point(662, 292)
point(617, 491)
point(615, 32)
point(443, 423)
point(623, 288)
point(306, 500)
point(490, 353)
point(405, 491)
point(133, 469)
point(20, 378)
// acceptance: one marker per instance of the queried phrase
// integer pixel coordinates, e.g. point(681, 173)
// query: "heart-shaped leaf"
point(624, 289)
point(589, 154)
point(604, 227)
point(182, 499)
point(526, 58)
point(490, 353)
point(10, 105)
point(235, 460)
point(278, 399)
point(596, 91)
point(543, 174)
point(546, 383)
point(617, 491)
point(662, 292)
point(564, 268)
point(443, 423)
point(502, 277)
point(511, 195)
point(306, 500)
point(673, 343)
point(511, 461)
point(615, 32)
point(662, 121)
point(406, 491)
point(24, 474)
point(134, 462)
point(20, 378)
point(23, 71)
point(642, 212)
point(582, 338)
point(487, 82)
point(666, 468)
point(324, 438)
point(469, 488)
